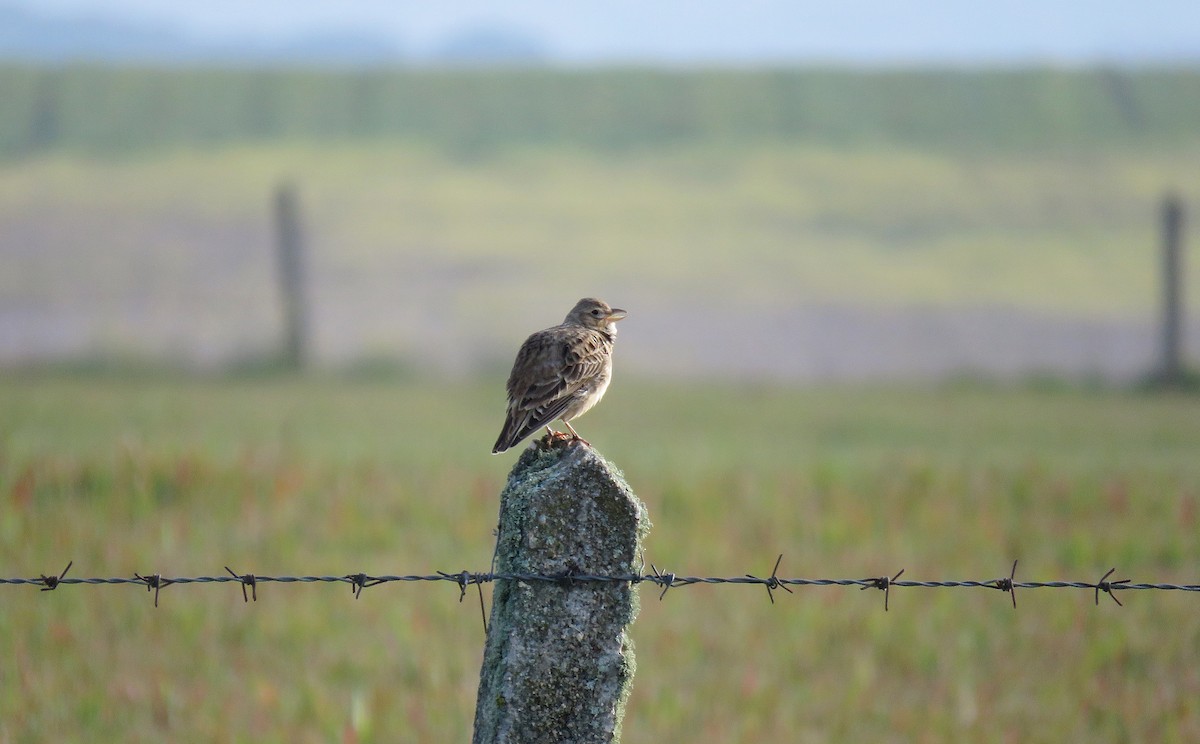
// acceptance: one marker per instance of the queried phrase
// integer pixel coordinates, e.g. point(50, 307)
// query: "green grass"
point(476, 112)
point(323, 475)
point(394, 229)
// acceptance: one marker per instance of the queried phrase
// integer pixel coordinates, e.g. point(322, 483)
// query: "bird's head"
point(592, 313)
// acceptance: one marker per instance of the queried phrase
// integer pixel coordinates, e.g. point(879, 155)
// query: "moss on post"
point(559, 663)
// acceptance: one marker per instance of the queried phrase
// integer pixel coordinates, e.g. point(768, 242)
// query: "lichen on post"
point(558, 664)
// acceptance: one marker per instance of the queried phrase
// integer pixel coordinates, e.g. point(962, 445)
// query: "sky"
point(705, 31)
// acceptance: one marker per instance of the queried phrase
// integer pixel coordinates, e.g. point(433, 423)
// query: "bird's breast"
point(589, 395)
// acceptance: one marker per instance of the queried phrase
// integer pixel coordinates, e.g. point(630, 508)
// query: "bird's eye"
point(596, 312)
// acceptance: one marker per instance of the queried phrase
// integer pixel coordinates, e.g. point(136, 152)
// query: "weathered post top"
point(558, 664)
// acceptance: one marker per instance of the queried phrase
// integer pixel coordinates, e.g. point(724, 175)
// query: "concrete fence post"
point(558, 663)
point(290, 262)
point(1171, 370)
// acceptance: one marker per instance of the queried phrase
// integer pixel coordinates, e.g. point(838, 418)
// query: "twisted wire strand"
point(664, 580)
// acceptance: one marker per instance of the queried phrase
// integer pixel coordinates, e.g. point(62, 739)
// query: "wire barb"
point(248, 580)
point(52, 582)
point(463, 579)
point(772, 582)
point(665, 580)
point(358, 582)
point(1008, 584)
point(1107, 587)
point(567, 578)
point(883, 583)
point(155, 582)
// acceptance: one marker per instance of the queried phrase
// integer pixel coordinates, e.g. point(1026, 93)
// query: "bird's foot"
point(575, 435)
point(562, 439)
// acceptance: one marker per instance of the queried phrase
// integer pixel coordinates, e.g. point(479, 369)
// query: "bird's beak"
point(616, 314)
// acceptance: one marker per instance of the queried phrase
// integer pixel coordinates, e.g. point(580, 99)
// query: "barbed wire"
point(666, 580)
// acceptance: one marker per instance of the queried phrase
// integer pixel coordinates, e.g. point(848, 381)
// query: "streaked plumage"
point(560, 372)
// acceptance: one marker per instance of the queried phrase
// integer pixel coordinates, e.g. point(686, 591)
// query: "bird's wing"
point(553, 364)
point(586, 358)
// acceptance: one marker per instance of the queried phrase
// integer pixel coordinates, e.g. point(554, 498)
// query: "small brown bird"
point(560, 372)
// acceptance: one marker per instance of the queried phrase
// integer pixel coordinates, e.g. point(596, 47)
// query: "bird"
point(560, 373)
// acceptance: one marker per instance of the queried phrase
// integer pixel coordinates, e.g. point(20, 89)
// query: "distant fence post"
point(289, 245)
point(1171, 365)
point(558, 665)
point(45, 128)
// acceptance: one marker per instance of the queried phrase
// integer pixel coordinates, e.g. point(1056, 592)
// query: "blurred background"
point(902, 279)
point(787, 192)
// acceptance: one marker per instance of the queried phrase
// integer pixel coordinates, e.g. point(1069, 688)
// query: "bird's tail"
point(509, 436)
point(524, 423)
point(516, 428)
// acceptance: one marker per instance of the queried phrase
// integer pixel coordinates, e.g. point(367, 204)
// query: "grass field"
point(439, 263)
point(473, 112)
point(1065, 232)
point(322, 475)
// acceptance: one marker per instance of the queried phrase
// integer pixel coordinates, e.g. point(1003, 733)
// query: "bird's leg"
point(575, 435)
